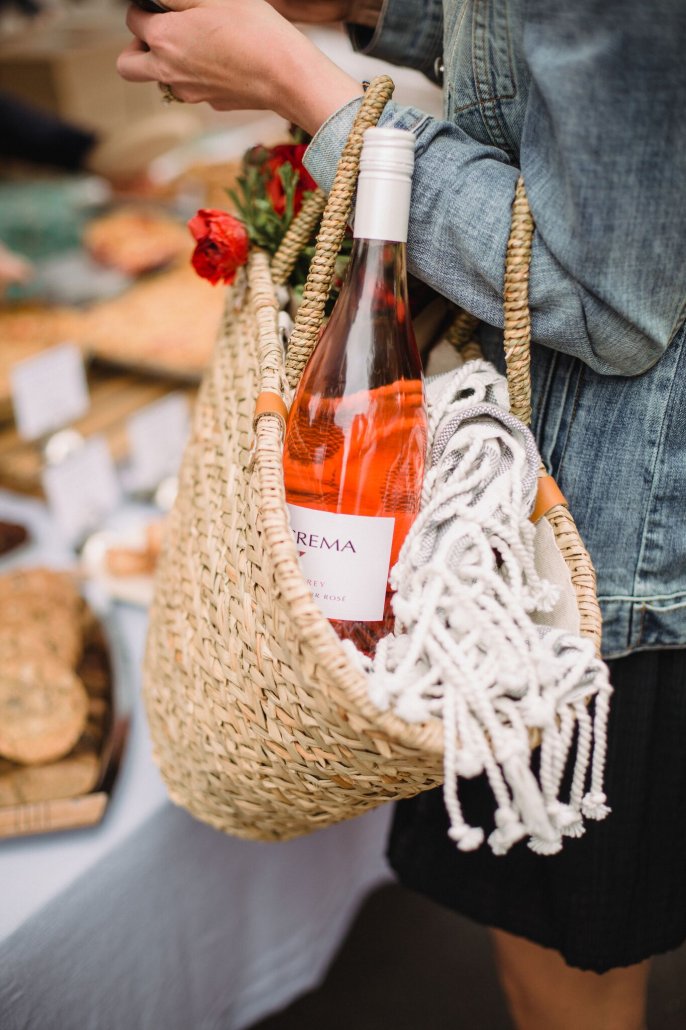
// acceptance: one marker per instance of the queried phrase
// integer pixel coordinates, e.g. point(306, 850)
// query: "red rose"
point(292, 154)
point(222, 245)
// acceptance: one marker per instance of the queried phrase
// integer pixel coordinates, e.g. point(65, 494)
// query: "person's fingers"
point(138, 22)
point(136, 64)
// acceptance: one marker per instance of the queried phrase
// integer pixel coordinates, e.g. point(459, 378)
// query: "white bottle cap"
point(382, 210)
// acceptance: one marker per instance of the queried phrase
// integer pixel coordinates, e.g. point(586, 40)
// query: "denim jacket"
point(589, 101)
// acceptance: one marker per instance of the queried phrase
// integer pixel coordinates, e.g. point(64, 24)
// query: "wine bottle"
point(356, 436)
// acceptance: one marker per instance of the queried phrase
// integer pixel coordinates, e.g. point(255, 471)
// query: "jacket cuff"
point(408, 32)
point(322, 156)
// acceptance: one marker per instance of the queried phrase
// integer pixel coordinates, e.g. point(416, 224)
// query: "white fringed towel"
point(486, 635)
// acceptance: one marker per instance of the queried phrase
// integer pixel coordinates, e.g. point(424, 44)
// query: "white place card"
point(83, 489)
point(157, 436)
point(49, 391)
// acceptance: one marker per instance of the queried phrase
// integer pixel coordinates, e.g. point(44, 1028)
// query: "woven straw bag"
point(261, 725)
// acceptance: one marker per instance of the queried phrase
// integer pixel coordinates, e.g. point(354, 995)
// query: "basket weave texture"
point(261, 725)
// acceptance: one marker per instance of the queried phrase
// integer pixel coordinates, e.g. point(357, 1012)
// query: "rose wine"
point(356, 435)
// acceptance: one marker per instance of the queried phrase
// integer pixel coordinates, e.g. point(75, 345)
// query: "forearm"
point(315, 91)
point(603, 156)
point(459, 224)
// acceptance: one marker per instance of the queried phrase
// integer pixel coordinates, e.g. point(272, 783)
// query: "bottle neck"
point(382, 207)
point(379, 270)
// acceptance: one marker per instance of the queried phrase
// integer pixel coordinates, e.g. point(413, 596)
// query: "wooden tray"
point(115, 396)
point(75, 791)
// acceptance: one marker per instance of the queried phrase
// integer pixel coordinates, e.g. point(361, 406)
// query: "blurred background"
point(116, 909)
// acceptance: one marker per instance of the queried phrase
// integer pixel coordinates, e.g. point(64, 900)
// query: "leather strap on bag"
point(547, 496)
point(269, 403)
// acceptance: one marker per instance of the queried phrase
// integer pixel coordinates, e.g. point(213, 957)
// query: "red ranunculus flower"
point(222, 245)
point(292, 154)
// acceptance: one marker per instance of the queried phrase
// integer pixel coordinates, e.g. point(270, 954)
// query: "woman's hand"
point(235, 55)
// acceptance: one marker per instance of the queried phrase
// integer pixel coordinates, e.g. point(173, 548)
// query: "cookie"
point(43, 709)
point(41, 583)
point(55, 636)
point(16, 643)
point(40, 589)
point(72, 776)
point(41, 611)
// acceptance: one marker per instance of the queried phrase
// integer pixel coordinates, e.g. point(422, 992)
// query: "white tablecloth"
point(154, 920)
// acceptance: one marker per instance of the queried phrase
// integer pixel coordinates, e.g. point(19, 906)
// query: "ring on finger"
point(168, 94)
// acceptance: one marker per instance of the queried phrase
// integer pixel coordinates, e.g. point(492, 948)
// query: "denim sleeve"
point(603, 153)
point(408, 32)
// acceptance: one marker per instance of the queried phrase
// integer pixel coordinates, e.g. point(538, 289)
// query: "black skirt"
point(610, 898)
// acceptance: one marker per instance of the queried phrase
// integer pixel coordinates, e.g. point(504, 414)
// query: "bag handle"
point(516, 315)
point(297, 236)
point(517, 335)
point(517, 322)
point(330, 237)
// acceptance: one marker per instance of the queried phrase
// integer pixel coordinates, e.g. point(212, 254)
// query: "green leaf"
point(265, 227)
point(289, 180)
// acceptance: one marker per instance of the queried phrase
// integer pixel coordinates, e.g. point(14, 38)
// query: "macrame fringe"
point(465, 648)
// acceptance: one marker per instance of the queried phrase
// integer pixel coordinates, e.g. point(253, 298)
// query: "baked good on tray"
point(136, 240)
point(55, 705)
point(43, 708)
point(167, 323)
point(42, 613)
point(78, 772)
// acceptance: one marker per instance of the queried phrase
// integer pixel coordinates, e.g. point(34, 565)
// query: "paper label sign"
point(157, 436)
point(345, 560)
point(82, 489)
point(49, 391)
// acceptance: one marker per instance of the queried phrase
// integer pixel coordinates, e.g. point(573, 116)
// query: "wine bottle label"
point(345, 560)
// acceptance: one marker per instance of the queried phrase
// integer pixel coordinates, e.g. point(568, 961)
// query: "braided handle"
point(311, 311)
point(297, 236)
point(461, 336)
point(517, 320)
point(517, 334)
